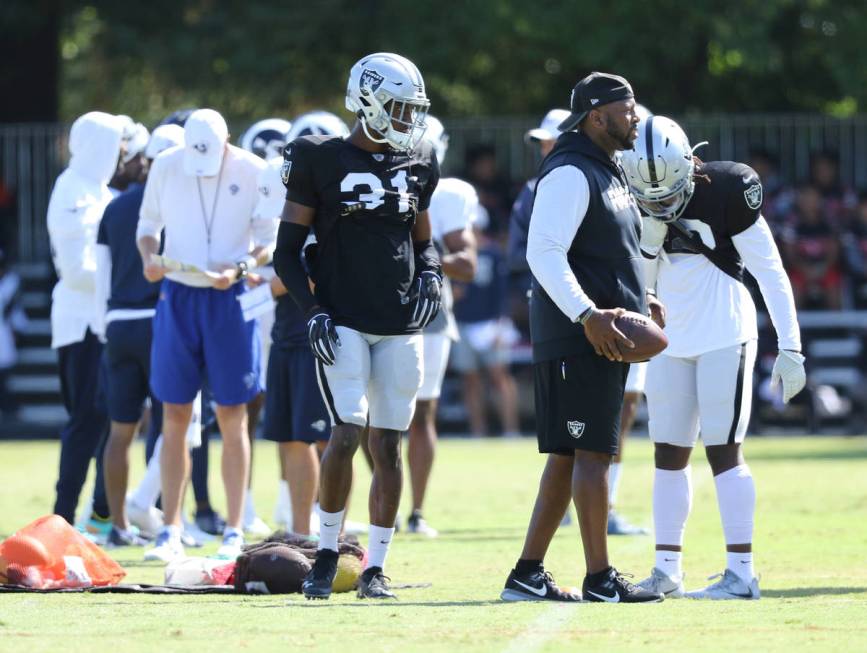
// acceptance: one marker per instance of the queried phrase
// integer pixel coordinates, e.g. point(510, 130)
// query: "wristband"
point(582, 319)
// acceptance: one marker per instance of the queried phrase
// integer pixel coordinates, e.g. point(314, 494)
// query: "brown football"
point(649, 339)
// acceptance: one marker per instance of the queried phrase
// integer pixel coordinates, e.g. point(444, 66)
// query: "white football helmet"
point(659, 168)
point(317, 122)
point(267, 138)
point(436, 135)
point(386, 92)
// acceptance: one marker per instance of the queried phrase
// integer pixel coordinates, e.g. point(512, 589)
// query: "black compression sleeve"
point(427, 259)
point(288, 266)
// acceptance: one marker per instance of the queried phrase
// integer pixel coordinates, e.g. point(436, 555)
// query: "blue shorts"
point(127, 356)
point(200, 331)
point(294, 410)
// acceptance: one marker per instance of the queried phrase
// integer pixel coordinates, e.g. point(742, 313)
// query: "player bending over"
point(703, 228)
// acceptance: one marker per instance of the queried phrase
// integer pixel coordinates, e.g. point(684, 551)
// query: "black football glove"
point(429, 298)
point(322, 336)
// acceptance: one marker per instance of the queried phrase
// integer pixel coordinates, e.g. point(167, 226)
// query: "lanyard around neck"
point(209, 222)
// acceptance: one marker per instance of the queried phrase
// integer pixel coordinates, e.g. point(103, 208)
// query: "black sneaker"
point(536, 585)
point(317, 584)
point(373, 584)
point(610, 586)
point(210, 522)
point(117, 537)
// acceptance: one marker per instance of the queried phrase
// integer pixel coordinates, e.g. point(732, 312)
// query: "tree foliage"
point(479, 57)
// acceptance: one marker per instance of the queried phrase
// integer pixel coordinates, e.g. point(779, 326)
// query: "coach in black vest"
point(583, 251)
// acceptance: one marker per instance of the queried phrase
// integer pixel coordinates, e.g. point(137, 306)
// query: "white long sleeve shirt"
point(706, 309)
point(207, 229)
point(75, 209)
point(562, 199)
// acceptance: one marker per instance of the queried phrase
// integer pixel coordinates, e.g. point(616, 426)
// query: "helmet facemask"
point(398, 122)
point(669, 205)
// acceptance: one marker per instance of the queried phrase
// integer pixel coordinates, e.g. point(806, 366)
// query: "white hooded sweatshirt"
point(75, 209)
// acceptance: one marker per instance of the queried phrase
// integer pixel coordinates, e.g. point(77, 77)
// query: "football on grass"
point(649, 339)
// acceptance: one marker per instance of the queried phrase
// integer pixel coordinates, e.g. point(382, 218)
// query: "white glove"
point(789, 370)
point(653, 234)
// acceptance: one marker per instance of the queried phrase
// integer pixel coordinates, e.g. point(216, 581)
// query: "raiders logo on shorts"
point(575, 428)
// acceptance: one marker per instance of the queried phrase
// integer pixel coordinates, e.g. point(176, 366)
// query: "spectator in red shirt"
point(813, 253)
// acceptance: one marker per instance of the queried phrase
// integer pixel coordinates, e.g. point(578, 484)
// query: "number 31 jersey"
point(366, 205)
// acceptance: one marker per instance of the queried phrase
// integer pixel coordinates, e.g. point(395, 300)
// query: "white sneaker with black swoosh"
point(610, 586)
point(729, 587)
point(537, 585)
point(659, 581)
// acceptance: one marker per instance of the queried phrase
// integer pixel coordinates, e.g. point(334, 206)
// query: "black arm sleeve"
point(427, 259)
point(288, 265)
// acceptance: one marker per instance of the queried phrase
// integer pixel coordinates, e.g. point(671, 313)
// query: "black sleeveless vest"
point(604, 255)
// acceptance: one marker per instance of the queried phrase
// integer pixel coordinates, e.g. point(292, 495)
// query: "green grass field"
point(811, 549)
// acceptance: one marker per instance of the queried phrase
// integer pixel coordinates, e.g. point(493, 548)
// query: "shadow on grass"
point(804, 592)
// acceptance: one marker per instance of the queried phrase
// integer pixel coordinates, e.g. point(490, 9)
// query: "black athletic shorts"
point(578, 403)
point(294, 410)
point(128, 363)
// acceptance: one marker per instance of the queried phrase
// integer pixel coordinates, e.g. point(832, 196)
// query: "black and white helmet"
point(386, 92)
point(659, 168)
point(267, 138)
point(322, 123)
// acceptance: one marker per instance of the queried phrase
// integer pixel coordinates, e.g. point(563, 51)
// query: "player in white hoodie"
point(77, 202)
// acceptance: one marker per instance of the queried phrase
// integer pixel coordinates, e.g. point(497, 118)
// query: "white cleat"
point(257, 528)
point(728, 587)
point(148, 521)
point(167, 548)
point(230, 549)
point(662, 583)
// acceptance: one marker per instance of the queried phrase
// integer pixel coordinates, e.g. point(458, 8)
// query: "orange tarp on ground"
point(49, 553)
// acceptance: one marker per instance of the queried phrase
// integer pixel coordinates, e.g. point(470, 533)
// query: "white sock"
point(249, 507)
point(173, 531)
point(330, 524)
point(670, 562)
point(742, 565)
point(613, 483)
point(148, 490)
point(377, 546)
point(736, 497)
point(232, 531)
point(672, 500)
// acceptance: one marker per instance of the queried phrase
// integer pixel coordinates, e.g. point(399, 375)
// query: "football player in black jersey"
point(377, 284)
point(702, 227)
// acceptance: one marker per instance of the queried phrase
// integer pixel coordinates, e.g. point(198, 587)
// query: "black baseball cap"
point(593, 91)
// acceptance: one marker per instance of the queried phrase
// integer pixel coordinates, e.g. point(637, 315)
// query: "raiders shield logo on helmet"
point(575, 428)
point(284, 172)
point(753, 196)
point(370, 80)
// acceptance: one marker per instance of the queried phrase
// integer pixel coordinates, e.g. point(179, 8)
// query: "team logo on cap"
point(201, 148)
point(753, 196)
point(370, 80)
point(575, 428)
point(285, 170)
point(234, 188)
